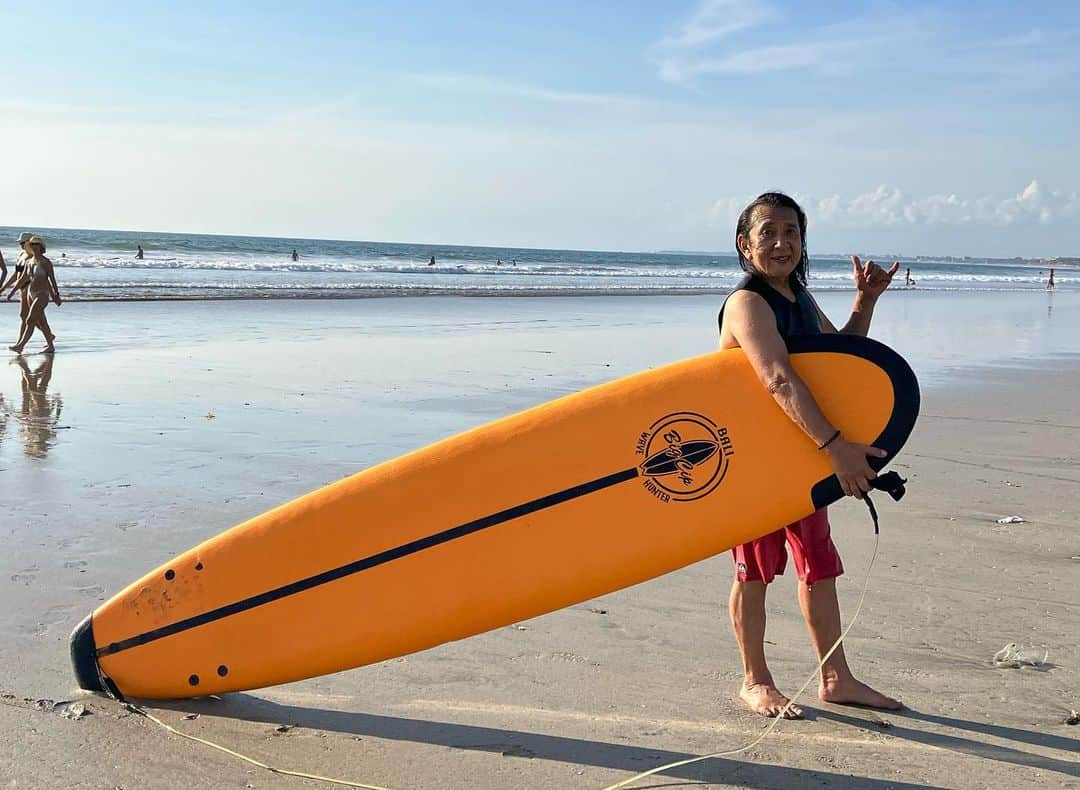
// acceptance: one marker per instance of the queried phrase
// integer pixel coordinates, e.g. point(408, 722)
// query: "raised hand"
point(872, 280)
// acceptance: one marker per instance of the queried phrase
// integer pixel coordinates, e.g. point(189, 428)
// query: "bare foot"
point(16, 349)
point(49, 349)
point(765, 699)
point(854, 692)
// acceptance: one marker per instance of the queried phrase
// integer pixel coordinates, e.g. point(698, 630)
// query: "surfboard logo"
point(686, 456)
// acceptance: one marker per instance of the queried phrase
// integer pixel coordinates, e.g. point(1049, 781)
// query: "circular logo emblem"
point(686, 456)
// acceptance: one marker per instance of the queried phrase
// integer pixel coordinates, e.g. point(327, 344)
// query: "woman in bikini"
point(20, 267)
point(39, 281)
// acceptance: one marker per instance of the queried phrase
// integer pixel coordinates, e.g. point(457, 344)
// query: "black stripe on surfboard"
point(370, 562)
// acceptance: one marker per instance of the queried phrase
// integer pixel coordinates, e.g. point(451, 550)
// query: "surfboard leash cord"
point(112, 691)
point(893, 485)
point(250, 760)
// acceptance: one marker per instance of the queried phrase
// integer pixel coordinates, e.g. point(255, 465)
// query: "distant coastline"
point(123, 240)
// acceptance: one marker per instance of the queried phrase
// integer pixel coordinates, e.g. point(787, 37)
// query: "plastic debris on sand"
point(1014, 656)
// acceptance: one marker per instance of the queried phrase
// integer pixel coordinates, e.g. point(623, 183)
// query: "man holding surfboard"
point(769, 305)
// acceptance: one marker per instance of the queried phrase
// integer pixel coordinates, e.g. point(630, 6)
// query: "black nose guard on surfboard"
point(84, 657)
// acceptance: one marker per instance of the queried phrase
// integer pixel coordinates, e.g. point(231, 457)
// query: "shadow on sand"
point(975, 748)
point(514, 743)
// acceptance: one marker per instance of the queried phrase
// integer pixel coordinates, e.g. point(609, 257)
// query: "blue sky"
point(908, 128)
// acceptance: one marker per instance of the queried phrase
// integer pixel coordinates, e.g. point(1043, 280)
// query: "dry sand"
point(119, 464)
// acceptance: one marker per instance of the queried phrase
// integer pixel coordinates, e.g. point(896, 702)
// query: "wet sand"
point(160, 425)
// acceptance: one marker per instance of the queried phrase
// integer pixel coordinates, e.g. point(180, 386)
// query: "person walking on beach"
point(139, 252)
point(907, 278)
point(38, 278)
point(772, 303)
point(1050, 283)
point(19, 268)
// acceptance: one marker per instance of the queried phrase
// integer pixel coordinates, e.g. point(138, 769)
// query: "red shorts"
point(815, 555)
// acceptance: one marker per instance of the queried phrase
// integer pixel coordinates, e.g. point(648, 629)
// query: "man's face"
point(774, 243)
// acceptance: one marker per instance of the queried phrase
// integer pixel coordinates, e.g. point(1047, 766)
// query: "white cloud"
point(479, 85)
point(1037, 37)
point(887, 206)
point(716, 19)
point(827, 49)
point(678, 54)
point(758, 61)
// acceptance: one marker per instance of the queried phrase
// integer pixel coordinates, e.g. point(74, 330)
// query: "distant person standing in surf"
point(772, 303)
point(40, 280)
point(1050, 286)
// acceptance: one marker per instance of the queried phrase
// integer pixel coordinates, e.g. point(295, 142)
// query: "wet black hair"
point(742, 228)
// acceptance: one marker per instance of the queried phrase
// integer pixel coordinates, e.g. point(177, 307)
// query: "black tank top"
point(792, 318)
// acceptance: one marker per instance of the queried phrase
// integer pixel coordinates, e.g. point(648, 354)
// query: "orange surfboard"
point(563, 502)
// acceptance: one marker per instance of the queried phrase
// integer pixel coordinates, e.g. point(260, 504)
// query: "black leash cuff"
point(893, 485)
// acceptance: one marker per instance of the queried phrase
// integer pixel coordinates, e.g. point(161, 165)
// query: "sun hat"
point(36, 240)
point(25, 237)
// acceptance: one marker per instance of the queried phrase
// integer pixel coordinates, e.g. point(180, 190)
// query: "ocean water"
point(101, 265)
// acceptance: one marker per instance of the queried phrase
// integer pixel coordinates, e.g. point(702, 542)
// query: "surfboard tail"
point(84, 657)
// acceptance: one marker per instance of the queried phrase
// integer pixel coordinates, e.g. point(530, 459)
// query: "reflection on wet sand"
point(3, 419)
point(40, 412)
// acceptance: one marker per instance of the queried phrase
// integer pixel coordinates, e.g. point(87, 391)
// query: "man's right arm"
point(753, 326)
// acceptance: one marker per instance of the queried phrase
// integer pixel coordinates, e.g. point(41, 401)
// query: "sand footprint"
point(54, 615)
point(93, 591)
point(26, 575)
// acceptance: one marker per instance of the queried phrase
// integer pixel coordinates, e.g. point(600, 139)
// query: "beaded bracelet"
point(830, 440)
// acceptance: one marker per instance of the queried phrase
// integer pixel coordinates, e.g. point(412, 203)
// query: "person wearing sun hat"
point(20, 260)
point(39, 281)
point(20, 266)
